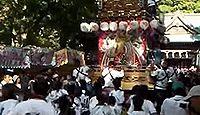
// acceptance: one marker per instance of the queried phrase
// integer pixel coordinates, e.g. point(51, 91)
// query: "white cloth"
point(139, 113)
point(152, 2)
point(107, 72)
point(147, 106)
point(7, 105)
point(161, 79)
point(171, 106)
point(102, 110)
point(119, 97)
point(33, 106)
point(93, 102)
point(80, 72)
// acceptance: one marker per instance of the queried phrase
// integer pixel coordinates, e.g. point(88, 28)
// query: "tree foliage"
point(46, 23)
point(186, 6)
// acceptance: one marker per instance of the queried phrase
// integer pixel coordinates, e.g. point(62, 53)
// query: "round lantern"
point(113, 26)
point(94, 27)
point(134, 24)
point(144, 24)
point(154, 24)
point(123, 25)
point(104, 26)
point(85, 27)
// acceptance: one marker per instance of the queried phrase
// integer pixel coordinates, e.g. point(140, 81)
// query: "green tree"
point(46, 23)
point(186, 6)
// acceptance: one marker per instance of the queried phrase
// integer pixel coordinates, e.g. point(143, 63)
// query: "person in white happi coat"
point(9, 98)
point(118, 94)
point(110, 73)
point(172, 106)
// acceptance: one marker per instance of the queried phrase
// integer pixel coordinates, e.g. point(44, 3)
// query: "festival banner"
point(41, 56)
point(14, 58)
point(61, 57)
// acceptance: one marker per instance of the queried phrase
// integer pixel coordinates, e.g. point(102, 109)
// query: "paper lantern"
point(113, 26)
point(134, 24)
point(104, 26)
point(154, 24)
point(94, 27)
point(144, 24)
point(85, 27)
point(123, 25)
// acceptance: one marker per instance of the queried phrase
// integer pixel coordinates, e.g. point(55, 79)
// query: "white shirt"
point(119, 96)
point(80, 72)
point(107, 72)
point(102, 110)
point(93, 102)
point(161, 79)
point(7, 105)
point(34, 106)
point(171, 106)
point(139, 113)
point(147, 106)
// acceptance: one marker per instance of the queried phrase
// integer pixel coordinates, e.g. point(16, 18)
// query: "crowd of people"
point(49, 93)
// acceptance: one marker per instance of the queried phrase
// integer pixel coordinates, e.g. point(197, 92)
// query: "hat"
point(113, 26)
point(177, 85)
point(194, 91)
point(104, 26)
point(15, 77)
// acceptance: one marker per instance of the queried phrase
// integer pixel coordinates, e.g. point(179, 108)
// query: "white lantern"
point(144, 24)
point(154, 24)
point(134, 24)
point(113, 26)
point(85, 27)
point(123, 25)
point(104, 26)
point(94, 27)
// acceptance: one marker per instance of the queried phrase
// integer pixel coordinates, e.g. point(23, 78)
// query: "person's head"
point(138, 102)
point(134, 89)
point(7, 78)
point(117, 83)
point(111, 100)
point(40, 86)
point(111, 64)
point(9, 91)
point(193, 97)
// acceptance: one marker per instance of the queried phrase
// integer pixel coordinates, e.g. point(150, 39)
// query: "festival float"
point(129, 35)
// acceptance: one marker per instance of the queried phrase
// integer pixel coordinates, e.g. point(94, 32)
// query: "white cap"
point(94, 26)
point(123, 25)
point(85, 27)
point(113, 26)
point(15, 78)
point(104, 26)
point(144, 24)
point(194, 91)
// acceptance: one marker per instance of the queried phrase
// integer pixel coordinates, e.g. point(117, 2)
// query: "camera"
point(184, 105)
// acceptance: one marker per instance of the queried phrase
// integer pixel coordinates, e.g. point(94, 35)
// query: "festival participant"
point(7, 78)
point(9, 98)
point(110, 73)
point(172, 106)
point(193, 98)
point(37, 104)
point(81, 72)
point(17, 81)
point(139, 98)
point(118, 94)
